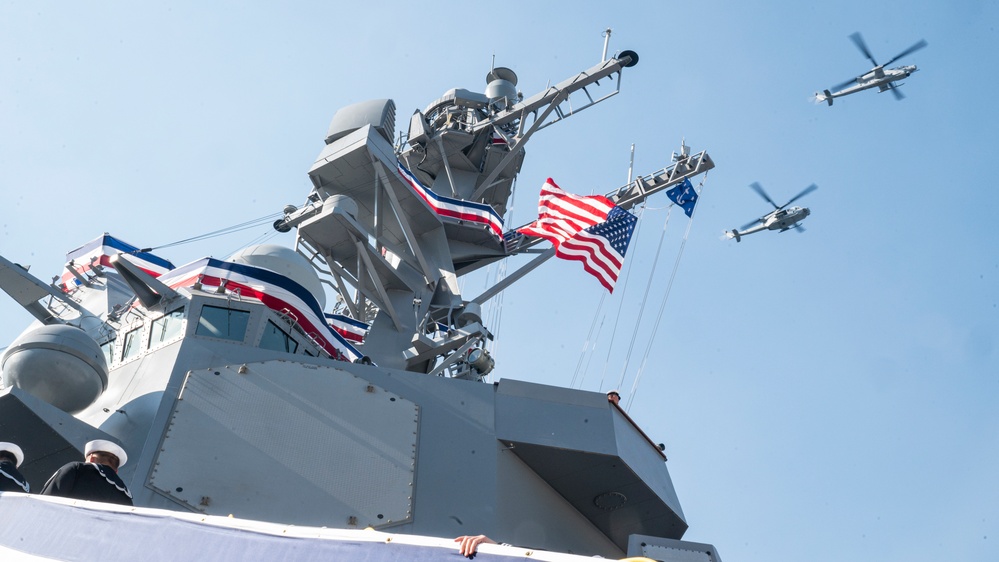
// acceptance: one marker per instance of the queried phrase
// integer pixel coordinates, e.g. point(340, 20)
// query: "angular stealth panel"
point(49, 437)
point(277, 442)
point(594, 456)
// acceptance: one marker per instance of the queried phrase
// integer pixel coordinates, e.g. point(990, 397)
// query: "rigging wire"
point(496, 312)
point(263, 238)
point(662, 306)
point(645, 296)
point(624, 289)
point(267, 219)
point(586, 368)
point(586, 342)
point(600, 305)
point(491, 313)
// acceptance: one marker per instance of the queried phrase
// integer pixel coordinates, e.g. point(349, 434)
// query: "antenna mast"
point(631, 164)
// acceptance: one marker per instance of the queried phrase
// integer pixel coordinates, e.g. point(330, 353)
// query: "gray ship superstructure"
point(238, 388)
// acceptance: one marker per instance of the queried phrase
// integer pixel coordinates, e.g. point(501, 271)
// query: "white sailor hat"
point(106, 446)
point(14, 450)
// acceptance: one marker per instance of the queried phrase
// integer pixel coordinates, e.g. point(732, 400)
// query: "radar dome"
point(501, 87)
point(59, 364)
point(284, 261)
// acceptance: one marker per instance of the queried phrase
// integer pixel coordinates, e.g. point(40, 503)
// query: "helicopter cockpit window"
point(277, 339)
point(132, 345)
point(224, 323)
point(166, 327)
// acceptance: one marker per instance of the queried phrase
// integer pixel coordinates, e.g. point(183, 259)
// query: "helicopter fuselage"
point(878, 77)
point(780, 220)
point(785, 218)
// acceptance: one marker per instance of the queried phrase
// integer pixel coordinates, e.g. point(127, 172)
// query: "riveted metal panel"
point(275, 441)
point(671, 550)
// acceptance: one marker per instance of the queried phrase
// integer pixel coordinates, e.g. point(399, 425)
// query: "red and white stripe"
point(561, 215)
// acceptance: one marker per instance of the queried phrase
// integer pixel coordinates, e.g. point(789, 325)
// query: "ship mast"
point(392, 227)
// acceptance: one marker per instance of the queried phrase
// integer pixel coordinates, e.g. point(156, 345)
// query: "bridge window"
point(108, 349)
point(277, 339)
point(224, 323)
point(166, 327)
point(133, 344)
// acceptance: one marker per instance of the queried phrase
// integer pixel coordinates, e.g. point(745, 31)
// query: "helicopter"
point(781, 218)
point(884, 79)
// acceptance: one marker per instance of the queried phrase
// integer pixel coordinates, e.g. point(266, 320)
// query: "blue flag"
point(684, 196)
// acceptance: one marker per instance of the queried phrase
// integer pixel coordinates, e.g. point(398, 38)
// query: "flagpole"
point(631, 164)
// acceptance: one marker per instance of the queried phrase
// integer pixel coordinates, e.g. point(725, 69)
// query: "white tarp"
point(50, 528)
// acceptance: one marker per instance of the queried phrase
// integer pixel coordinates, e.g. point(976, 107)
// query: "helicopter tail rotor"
point(825, 96)
point(730, 234)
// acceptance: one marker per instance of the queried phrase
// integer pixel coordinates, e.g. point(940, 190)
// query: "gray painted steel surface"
point(220, 418)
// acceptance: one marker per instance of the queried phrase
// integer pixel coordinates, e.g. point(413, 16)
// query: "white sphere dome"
point(284, 261)
point(59, 364)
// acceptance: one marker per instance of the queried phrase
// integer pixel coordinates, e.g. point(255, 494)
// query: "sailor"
point(11, 479)
point(96, 479)
point(614, 396)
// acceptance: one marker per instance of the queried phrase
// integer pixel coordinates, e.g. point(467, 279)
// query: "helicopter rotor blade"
point(922, 43)
point(897, 93)
point(859, 42)
point(759, 189)
point(803, 193)
point(749, 224)
point(799, 228)
point(849, 82)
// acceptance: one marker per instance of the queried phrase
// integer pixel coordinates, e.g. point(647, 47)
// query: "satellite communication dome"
point(59, 364)
point(283, 261)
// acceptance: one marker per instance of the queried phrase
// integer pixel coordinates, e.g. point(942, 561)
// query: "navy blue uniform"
point(11, 480)
point(88, 481)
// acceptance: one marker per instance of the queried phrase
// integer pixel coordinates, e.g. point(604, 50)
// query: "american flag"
point(589, 229)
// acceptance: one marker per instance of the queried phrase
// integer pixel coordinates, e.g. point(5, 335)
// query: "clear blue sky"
point(829, 395)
